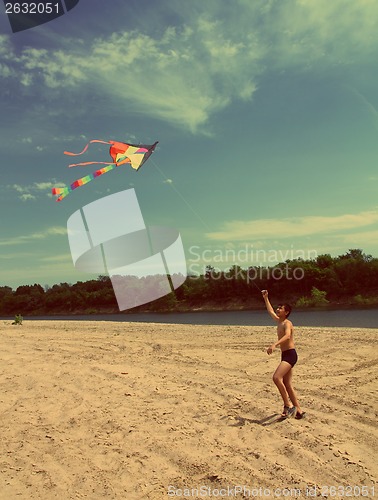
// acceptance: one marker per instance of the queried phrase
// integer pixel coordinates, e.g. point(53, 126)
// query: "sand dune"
point(149, 411)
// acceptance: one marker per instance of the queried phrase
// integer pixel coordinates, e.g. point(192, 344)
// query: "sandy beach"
point(104, 410)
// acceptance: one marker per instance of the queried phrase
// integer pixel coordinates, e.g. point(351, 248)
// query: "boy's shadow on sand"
point(241, 421)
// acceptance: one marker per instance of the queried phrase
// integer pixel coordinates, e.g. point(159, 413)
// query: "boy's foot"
point(288, 412)
point(299, 416)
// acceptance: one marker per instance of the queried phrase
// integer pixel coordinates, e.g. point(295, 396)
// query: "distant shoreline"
point(361, 317)
point(107, 312)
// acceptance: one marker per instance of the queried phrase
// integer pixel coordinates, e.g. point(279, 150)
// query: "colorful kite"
point(121, 153)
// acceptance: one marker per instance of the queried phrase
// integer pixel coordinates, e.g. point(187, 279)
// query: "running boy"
point(282, 377)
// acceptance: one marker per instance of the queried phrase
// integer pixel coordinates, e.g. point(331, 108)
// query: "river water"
point(366, 318)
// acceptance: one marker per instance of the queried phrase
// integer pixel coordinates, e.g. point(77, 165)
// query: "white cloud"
point(293, 227)
point(18, 188)
point(190, 82)
point(62, 258)
point(41, 235)
point(5, 47)
point(371, 237)
point(27, 197)
point(186, 74)
point(44, 186)
point(5, 71)
point(56, 67)
point(29, 192)
point(310, 31)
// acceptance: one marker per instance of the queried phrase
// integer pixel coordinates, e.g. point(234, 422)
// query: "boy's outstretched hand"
point(264, 293)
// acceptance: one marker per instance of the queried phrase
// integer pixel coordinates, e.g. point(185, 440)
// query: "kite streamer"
point(64, 191)
point(120, 152)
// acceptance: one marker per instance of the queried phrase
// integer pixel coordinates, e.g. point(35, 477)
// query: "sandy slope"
point(132, 411)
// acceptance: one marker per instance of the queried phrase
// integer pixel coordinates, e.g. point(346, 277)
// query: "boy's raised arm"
point(268, 305)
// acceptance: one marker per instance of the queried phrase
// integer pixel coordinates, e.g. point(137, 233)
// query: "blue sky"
point(266, 113)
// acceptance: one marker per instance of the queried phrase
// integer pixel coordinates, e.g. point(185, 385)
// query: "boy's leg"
point(278, 378)
point(287, 380)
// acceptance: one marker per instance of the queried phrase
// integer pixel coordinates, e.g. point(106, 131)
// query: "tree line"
point(349, 279)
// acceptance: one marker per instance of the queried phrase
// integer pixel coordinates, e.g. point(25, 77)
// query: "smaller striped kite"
point(134, 154)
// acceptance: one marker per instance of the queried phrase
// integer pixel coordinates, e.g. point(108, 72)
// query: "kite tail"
point(86, 147)
point(63, 192)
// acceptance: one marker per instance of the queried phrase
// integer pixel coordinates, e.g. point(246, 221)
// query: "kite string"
point(180, 195)
point(188, 205)
point(256, 286)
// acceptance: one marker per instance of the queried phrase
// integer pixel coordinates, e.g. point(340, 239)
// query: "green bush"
point(317, 299)
point(364, 301)
point(18, 320)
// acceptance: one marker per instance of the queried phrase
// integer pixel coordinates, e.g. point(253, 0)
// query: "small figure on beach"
point(283, 375)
